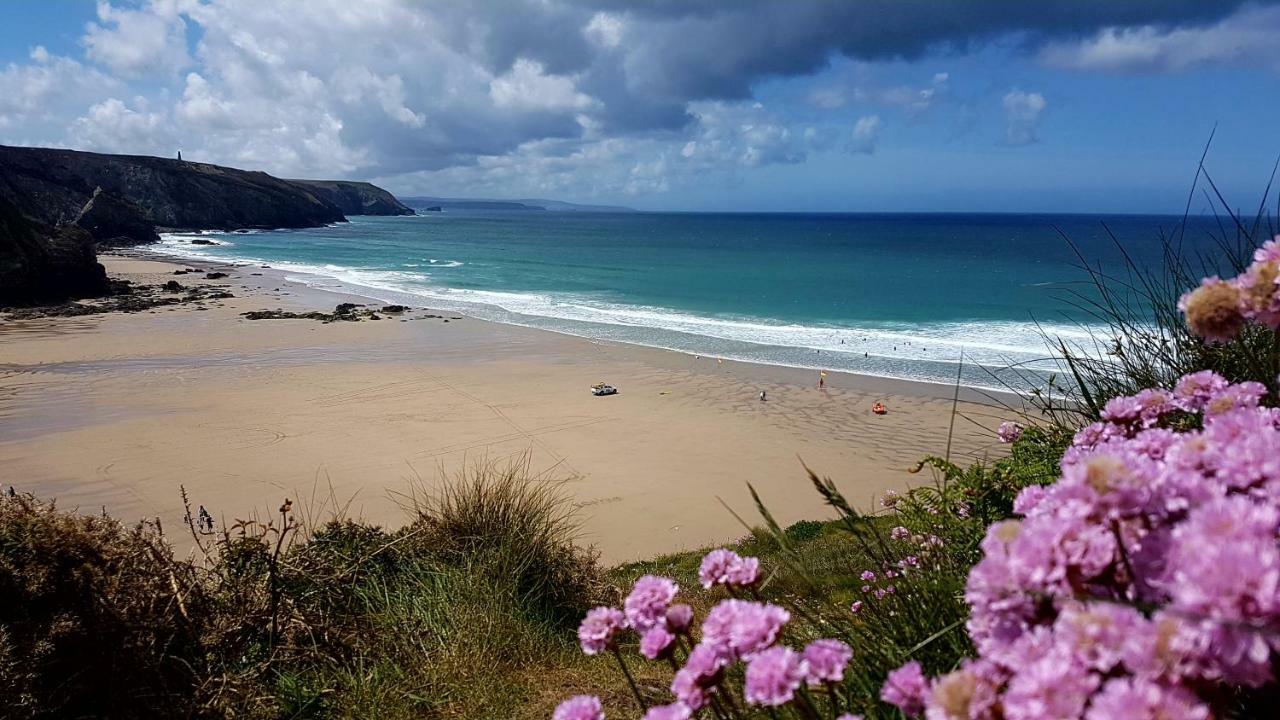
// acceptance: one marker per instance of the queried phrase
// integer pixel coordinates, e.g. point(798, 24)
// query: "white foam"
point(891, 349)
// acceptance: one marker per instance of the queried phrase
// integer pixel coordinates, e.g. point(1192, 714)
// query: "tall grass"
point(1139, 336)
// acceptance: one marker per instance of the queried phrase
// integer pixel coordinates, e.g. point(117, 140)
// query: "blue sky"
point(870, 105)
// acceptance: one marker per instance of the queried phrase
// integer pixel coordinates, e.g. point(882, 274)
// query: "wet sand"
point(119, 410)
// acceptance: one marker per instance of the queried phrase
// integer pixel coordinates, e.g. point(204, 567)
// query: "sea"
point(943, 298)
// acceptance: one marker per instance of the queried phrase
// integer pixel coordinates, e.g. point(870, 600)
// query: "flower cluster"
point(1142, 582)
point(1009, 432)
point(1218, 310)
point(735, 630)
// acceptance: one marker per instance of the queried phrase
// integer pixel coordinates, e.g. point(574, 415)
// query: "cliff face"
point(115, 222)
point(356, 198)
point(39, 263)
point(52, 186)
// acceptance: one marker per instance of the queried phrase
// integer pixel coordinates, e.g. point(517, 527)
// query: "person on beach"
point(762, 396)
point(822, 380)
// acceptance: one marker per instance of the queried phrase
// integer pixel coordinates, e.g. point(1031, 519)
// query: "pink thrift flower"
point(703, 669)
point(906, 689)
point(656, 642)
point(596, 632)
point(646, 606)
point(726, 567)
point(679, 617)
point(898, 533)
point(826, 659)
point(773, 676)
point(889, 499)
point(674, 711)
point(1009, 432)
point(1142, 699)
point(579, 707)
point(868, 576)
point(743, 627)
point(856, 607)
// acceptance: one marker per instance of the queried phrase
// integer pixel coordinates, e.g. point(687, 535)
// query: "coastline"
point(119, 410)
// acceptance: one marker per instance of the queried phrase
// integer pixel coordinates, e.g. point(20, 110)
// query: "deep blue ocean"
point(882, 294)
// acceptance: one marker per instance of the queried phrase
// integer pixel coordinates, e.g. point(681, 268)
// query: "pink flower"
point(743, 627)
point(889, 498)
point(703, 669)
point(579, 707)
point(868, 576)
point(1009, 432)
point(674, 711)
point(898, 533)
point(906, 689)
point(656, 642)
point(856, 607)
point(773, 676)
point(596, 632)
point(726, 567)
point(826, 659)
point(646, 606)
point(679, 617)
point(1142, 699)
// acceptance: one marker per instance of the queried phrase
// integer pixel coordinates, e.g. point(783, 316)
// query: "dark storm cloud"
point(703, 49)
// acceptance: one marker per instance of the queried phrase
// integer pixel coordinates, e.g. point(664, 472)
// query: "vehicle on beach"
point(603, 389)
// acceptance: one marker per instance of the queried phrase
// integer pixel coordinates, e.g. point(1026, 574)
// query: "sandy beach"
point(117, 411)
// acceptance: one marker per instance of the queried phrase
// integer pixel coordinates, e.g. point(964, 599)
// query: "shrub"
point(95, 618)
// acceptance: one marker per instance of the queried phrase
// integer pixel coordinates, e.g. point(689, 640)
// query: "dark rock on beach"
point(113, 221)
point(394, 308)
point(199, 241)
point(215, 275)
point(41, 263)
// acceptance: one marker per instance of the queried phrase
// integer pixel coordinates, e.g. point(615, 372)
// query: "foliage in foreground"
point(462, 613)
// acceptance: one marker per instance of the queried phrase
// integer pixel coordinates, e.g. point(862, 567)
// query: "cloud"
point(1247, 38)
point(605, 95)
point(113, 125)
point(48, 87)
point(528, 87)
point(138, 42)
point(1022, 111)
point(866, 133)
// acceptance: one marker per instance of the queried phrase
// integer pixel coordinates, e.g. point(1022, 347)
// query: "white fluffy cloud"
point(149, 40)
point(1247, 38)
point(1022, 111)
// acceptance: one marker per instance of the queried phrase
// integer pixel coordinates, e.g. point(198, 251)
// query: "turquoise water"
point(892, 295)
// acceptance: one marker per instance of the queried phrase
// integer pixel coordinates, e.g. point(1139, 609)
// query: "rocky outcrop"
point(356, 198)
point(43, 264)
point(52, 186)
point(114, 222)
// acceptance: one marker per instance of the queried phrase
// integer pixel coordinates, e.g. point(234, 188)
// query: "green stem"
point(630, 681)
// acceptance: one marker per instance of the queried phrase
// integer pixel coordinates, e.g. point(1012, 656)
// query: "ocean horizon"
point(928, 297)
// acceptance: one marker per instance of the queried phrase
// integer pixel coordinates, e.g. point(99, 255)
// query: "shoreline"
point(121, 409)
point(974, 393)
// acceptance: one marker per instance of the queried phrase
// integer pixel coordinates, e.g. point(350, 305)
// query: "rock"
point(394, 308)
point(345, 308)
point(215, 275)
point(202, 241)
point(41, 264)
point(115, 222)
point(356, 198)
point(173, 286)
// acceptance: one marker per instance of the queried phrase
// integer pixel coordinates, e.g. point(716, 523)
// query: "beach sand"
point(119, 410)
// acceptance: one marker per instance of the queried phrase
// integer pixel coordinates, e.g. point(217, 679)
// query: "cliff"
point(356, 198)
point(53, 186)
point(40, 263)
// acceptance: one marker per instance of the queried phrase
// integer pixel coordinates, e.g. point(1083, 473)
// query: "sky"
point(720, 105)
